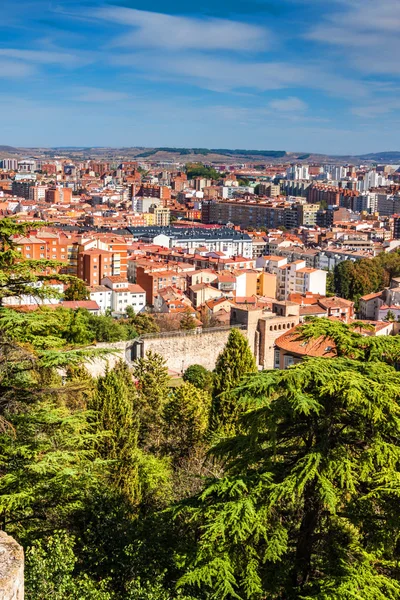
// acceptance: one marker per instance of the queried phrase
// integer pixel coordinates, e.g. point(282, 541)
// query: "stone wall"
point(11, 569)
point(118, 350)
point(188, 348)
point(180, 349)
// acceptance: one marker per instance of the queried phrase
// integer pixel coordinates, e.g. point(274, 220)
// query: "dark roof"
point(180, 233)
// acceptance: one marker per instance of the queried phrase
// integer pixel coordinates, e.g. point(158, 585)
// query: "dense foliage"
point(199, 170)
point(355, 279)
point(77, 290)
point(308, 504)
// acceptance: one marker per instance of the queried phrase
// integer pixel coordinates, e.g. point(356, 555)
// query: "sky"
point(294, 75)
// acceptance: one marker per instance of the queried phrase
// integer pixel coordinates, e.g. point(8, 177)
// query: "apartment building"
point(59, 195)
point(245, 213)
point(154, 281)
point(42, 245)
point(297, 278)
point(115, 294)
point(96, 264)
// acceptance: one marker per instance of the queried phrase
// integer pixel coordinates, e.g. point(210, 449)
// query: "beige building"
point(158, 216)
point(201, 293)
point(266, 284)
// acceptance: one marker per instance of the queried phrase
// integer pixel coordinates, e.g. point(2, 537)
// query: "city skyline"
point(295, 76)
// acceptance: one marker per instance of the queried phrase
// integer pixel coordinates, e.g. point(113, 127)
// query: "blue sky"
point(296, 75)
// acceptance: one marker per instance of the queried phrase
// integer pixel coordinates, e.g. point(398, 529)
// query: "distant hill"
point(208, 151)
point(389, 156)
point(208, 155)
point(9, 149)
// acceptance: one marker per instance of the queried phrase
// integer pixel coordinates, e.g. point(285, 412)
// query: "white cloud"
point(10, 68)
point(290, 104)
point(227, 74)
point(100, 95)
point(157, 30)
point(366, 32)
point(46, 57)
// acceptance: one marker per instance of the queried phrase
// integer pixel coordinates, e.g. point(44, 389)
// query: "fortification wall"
point(189, 348)
point(179, 349)
point(117, 351)
point(11, 569)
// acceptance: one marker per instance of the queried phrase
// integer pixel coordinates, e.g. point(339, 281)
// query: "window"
point(288, 361)
point(277, 356)
point(42, 247)
point(28, 247)
point(42, 256)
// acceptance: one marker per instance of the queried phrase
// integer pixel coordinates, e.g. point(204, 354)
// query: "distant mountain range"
point(215, 155)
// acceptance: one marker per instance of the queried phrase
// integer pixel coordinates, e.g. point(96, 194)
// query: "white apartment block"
point(115, 294)
point(297, 278)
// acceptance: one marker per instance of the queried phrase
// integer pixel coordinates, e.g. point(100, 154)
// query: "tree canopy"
point(235, 361)
point(307, 506)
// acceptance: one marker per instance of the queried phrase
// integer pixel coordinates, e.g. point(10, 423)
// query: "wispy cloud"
point(15, 69)
point(288, 105)
point(100, 95)
point(46, 57)
point(157, 30)
point(367, 33)
point(226, 74)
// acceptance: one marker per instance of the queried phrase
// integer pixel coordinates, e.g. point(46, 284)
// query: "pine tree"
point(113, 405)
point(47, 465)
point(152, 378)
point(308, 505)
point(186, 419)
point(235, 361)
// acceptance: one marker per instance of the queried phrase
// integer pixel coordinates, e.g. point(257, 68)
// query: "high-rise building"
point(9, 164)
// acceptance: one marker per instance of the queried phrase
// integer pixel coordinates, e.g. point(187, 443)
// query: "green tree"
point(152, 378)
point(114, 405)
point(186, 419)
point(188, 322)
point(308, 505)
point(49, 572)
point(107, 329)
point(76, 290)
point(343, 279)
point(235, 361)
point(47, 465)
point(390, 316)
point(79, 329)
point(330, 283)
point(199, 376)
point(142, 322)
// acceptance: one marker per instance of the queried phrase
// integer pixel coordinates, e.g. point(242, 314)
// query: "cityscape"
point(199, 300)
